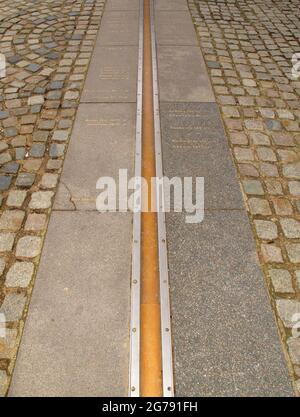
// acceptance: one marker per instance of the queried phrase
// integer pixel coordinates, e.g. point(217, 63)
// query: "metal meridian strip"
point(166, 336)
point(134, 364)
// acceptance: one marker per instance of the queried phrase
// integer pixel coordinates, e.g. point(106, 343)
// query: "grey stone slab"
point(175, 28)
point(225, 337)
point(122, 5)
point(195, 145)
point(102, 142)
point(112, 76)
point(171, 5)
point(75, 341)
point(182, 75)
point(119, 28)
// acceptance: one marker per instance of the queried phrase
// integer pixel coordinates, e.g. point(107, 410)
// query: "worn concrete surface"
point(171, 5)
point(118, 5)
point(225, 337)
point(112, 75)
point(189, 82)
point(174, 28)
point(194, 145)
point(76, 338)
point(119, 28)
point(102, 143)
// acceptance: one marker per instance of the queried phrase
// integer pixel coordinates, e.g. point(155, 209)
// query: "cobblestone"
point(20, 274)
point(294, 349)
point(266, 230)
point(8, 344)
point(25, 179)
point(49, 180)
point(29, 247)
point(13, 306)
point(271, 253)
point(35, 222)
point(259, 206)
point(281, 280)
point(291, 228)
point(6, 241)
point(287, 309)
point(2, 265)
point(3, 383)
point(11, 220)
point(16, 198)
point(41, 200)
point(251, 44)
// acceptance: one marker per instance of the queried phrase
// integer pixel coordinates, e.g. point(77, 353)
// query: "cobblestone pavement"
point(248, 47)
point(48, 46)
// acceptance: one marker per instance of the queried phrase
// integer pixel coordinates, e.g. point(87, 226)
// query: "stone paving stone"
point(194, 145)
point(291, 228)
point(11, 220)
point(49, 180)
point(2, 265)
point(292, 170)
point(7, 345)
point(3, 383)
point(220, 305)
point(60, 135)
point(266, 229)
point(16, 198)
point(61, 309)
point(253, 187)
point(35, 222)
point(6, 241)
point(19, 275)
point(28, 247)
point(174, 28)
point(117, 5)
point(109, 130)
point(271, 253)
point(171, 5)
point(281, 280)
point(119, 28)
point(41, 200)
point(5, 157)
point(56, 150)
point(13, 306)
point(294, 349)
point(287, 309)
point(189, 83)
point(35, 100)
point(293, 251)
point(49, 54)
point(5, 182)
point(25, 179)
point(112, 76)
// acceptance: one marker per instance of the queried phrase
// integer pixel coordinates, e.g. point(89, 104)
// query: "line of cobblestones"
point(248, 46)
point(47, 45)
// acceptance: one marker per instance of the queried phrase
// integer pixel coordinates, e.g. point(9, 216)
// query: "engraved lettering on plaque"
point(106, 122)
point(113, 73)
